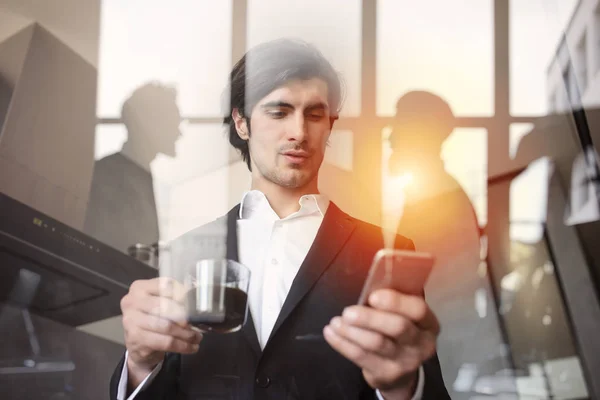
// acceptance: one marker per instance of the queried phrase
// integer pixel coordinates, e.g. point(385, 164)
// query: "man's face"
point(169, 130)
point(289, 129)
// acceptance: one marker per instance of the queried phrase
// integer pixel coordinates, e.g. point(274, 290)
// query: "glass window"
point(536, 29)
point(340, 149)
point(465, 158)
point(439, 46)
point(186, 44)
point(109, 139)
point(516, 132)
point(165, 167)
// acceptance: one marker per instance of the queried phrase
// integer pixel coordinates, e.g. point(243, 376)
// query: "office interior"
point(520, 77)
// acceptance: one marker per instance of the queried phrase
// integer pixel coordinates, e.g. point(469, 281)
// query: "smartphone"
point(403, 270)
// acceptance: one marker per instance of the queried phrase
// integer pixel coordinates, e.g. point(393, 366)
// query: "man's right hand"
point(155, 322)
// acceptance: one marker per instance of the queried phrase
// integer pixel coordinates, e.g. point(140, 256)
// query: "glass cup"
point(216, 295)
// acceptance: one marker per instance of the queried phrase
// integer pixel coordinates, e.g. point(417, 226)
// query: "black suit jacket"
point(232, 366)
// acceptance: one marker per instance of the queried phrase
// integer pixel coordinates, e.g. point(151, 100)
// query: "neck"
point(139, 156)
point(284, 201)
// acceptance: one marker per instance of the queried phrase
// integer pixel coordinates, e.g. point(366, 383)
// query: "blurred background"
point(112, 143)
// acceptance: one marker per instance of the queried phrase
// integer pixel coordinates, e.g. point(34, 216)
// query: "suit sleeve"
point(165, 384)
point(434, 382)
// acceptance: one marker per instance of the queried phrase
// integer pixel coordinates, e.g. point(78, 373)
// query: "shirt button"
point(274, 261)
point(263, 381)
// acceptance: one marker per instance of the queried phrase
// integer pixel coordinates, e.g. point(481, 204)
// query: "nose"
point(297, 129)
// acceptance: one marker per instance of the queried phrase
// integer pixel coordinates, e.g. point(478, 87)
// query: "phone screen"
point(401, 270)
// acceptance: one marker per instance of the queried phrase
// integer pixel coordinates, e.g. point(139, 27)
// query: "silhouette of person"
point(440, 219)
point(122, 209)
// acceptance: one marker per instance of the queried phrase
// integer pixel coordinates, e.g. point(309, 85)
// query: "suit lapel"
point(331, 237)
point(248, 329)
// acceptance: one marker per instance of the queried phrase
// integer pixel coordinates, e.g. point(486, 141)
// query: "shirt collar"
point(255, 201)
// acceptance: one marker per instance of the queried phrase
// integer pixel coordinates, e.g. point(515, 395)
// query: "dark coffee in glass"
point(217, 295)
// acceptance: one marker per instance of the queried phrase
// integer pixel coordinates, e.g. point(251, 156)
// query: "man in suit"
point(308, 261)
point(122, 187)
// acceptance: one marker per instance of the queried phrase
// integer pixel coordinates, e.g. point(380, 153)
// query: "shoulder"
point(369, 233)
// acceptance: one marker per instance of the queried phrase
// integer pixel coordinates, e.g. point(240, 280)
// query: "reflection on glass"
point(545, 361)
point(439, 217)
point(122, 208)
point(188, 45)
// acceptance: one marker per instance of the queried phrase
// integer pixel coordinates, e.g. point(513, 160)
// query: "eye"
point(277, 114)
point(315, 116)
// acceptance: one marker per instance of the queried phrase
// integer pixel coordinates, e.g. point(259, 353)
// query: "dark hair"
point(268, 66)
point(152, 99)
point(419, 106)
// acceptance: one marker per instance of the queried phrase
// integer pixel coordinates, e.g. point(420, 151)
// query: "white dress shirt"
point(273, 249)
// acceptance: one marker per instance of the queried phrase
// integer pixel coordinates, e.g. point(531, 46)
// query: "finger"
point(160, 342)
point(427, 345)
point(161, 307)
point(353, 352)
point(162, 287)
point(392, 325)
point(412, 307)
point(369, 340)
point(379, 371)
point(163, 326)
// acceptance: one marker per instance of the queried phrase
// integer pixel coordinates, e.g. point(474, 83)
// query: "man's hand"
point(155, 322)
point(389, 340)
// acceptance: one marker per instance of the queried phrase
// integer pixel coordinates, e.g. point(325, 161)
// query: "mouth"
point(296, 157)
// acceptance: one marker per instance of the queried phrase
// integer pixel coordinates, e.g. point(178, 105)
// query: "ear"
point(332, 119)
point(240, 124)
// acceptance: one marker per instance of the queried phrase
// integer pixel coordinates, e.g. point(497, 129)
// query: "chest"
point(310, 369)
point(275, 248)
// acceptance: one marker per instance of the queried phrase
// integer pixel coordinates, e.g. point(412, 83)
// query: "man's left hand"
point(389, 340)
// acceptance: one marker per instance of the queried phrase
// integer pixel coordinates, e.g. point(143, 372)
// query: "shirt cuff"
point(122, 389)
point(418, 391)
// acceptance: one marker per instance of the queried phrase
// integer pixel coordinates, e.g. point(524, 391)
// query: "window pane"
point(445, 47)
point(109, 139)
point(536, 71)
point(333, 26)
point(465, 158)
point(340, 149)
point(186, 44)
point(516, 132)
point(200, 149)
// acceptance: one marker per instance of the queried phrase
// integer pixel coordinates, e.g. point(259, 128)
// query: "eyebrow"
point(283, 104)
